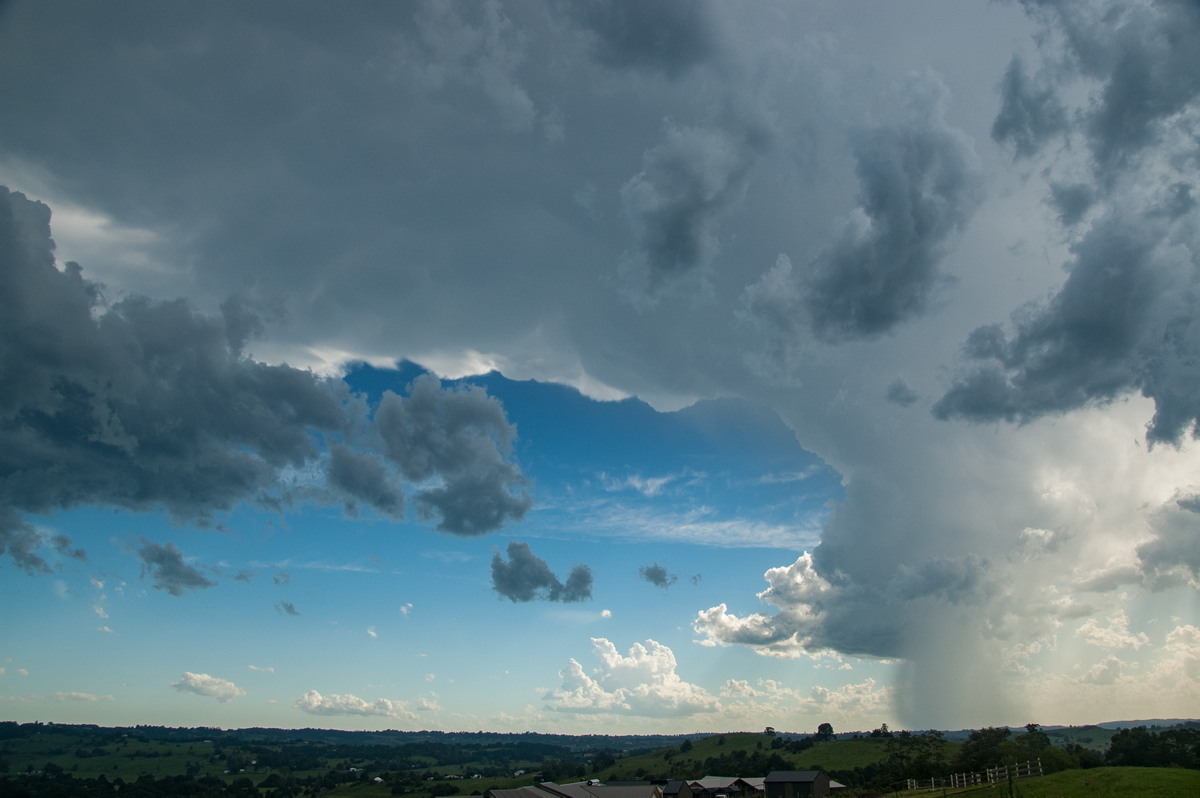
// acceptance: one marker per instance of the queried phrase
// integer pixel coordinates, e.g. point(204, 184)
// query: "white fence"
point(996, 775)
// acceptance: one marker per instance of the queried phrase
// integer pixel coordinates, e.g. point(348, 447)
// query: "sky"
point(597, 366)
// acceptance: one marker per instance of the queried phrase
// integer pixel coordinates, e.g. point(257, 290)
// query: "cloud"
point(798, 591)
point(643, 683)
point(462, 439)
point(142, 404)
point(675, 202)
point(668, 36)
point(136, 404)
point(261, 668)
point(852, 701)
point(314, 703)
point(168, 570)
point(1115, 635)
point(208, 686)
point(525, 577)
point(919, 184)
point(21, 542)
point(88, 698)
point(657, 575)
point(365, 478)
point(1029, 114)
point(1121, 321)
point(286, 608)
point(1140, 59)
point(1173, 553)
point(900, 393)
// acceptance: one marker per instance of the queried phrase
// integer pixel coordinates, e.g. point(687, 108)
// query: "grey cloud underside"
point(152, 405)
point(674, 204)
point(919, 185)
point(168, 571)
point(663, 35)
point(526, 577)
point(1173, 554)
point(1030, 115)
point(901, 393)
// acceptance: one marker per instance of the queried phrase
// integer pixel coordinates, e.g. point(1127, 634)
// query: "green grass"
point(1103, 782)
point(1106, 782)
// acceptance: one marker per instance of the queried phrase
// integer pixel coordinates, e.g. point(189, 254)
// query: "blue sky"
point(652, 367)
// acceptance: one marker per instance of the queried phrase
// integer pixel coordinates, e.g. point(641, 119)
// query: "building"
point(796, 784)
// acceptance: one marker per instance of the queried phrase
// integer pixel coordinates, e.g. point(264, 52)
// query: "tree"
point(915, 756)
point(825, 732)
point(981, 750)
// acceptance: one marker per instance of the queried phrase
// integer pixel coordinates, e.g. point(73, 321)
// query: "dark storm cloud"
point(1072, 201)
point(955, 579)
point(139, 405)
point(525, 577)
point(168, 570)
point(900, 393)
point(365, 478)
point(1124, 318)
point(657, 575)
point(919, 184)
point(463, 438)
point(675, 202)
point(20, 541)
point(1144, 58)
point(1029, 114)
point(1172, 556)
point(1122, 321)
point(152, 405)
point(665, 35)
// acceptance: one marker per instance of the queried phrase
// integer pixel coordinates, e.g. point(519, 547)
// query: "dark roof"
point(777, 776)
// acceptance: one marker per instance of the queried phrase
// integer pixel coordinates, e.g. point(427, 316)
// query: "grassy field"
point(831, 755)
point(1107, 782)
point(730, 754)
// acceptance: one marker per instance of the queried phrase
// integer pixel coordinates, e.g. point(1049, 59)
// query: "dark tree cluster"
point(1140, 747)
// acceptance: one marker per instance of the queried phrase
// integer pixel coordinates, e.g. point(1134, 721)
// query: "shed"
point(796, 784)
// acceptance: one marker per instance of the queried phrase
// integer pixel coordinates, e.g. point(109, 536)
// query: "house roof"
point(713, 782)
point(778, 776)
point(518, 792)
point(594, 789)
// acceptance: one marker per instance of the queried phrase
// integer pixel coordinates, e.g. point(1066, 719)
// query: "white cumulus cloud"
point(314, 703)
point(644, 682)
point(210, 686)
